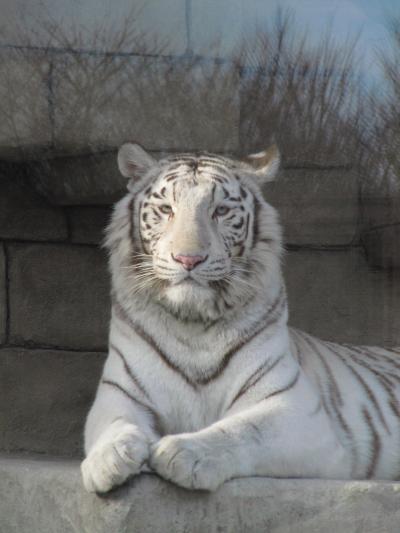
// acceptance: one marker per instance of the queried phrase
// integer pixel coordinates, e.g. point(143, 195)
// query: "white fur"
point(201, 435)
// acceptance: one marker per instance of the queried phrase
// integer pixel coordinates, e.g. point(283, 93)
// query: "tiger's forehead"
point(192, 170)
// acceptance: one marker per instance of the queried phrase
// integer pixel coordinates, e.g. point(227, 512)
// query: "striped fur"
point(204, 380)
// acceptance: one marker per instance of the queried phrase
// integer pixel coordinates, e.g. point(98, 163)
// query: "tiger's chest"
point(188, 412)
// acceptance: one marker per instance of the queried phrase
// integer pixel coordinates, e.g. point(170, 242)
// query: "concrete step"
point(46, 495)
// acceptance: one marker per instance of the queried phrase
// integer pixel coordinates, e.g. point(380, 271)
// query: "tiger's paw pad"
point(188, 463)
point(109, 464)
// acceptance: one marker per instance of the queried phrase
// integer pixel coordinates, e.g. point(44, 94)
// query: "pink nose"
point(189, 261)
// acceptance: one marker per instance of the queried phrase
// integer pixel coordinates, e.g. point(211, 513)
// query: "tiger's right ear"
point(134, 161)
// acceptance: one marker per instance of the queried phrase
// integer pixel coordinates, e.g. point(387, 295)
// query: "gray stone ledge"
point(47, 495)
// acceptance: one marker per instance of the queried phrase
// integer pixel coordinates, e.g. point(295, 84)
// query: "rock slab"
point(47, 495)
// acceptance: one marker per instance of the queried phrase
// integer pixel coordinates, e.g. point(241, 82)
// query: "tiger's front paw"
point(188, 462)
point(110, 463)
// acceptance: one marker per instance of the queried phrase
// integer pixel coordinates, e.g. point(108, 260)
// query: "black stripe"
point(265, 241)
point(265, 321)
point(333, 386)
point(218, 163)
point(364, 384)
point(130, 373)
point(287, 387)
point(376, 443)
point(239, 224)
point(256, 223)
point(182, 158)
point(255, 377)
point(216, 178)
point(213, 193)
point(367, 351)
point(383, 380)
point(117, 386)
point(143, 241)
point(155, 213)
point(172, 177)
point(335, 400)
point(122, 315)
point(226, 193)
point(247, 226)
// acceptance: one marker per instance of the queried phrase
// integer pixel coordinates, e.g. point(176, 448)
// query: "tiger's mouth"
point(190, 281)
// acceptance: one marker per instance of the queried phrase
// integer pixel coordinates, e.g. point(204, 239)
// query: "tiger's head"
point(195, 232)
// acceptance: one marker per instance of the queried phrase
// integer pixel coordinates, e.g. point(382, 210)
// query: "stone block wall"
point(341, 273)
point(54, 313)
point(65, 108)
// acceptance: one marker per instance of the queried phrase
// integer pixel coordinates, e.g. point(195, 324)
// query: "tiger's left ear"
point(263, 165)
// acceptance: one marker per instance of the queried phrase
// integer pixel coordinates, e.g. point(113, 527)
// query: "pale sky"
point(348, 17)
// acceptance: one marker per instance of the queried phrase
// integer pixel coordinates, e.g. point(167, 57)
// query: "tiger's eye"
point(221, 210)
point(166, 209)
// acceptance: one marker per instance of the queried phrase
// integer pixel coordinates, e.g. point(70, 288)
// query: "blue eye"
point(166, 209)
point(221, 210)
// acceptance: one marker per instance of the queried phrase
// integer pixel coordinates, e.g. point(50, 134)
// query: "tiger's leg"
point(277, 437)
point(118, 435)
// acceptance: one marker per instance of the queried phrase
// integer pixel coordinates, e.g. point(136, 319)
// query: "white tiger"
point(204, 380)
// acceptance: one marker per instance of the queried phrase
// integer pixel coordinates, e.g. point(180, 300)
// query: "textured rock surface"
point(59, 296)
point(336, 296)
point(377, 209)
point(24, 106)
point(3, 303)
point(24, 214)
point(81, 180)
point(47, 495)
point(160, 104)
point(87, 224)
point(44, 399)
point(317, 207)
point(382, 246)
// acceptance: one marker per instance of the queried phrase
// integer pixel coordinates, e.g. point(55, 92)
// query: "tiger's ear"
point(263, 165)
point(134, 161)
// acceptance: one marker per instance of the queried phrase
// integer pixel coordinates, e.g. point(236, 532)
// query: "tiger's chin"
point(190, 300)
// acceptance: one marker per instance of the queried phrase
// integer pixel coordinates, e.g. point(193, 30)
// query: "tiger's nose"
point(189, 261)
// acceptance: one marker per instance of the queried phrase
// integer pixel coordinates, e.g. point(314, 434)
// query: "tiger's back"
point(359, 387)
